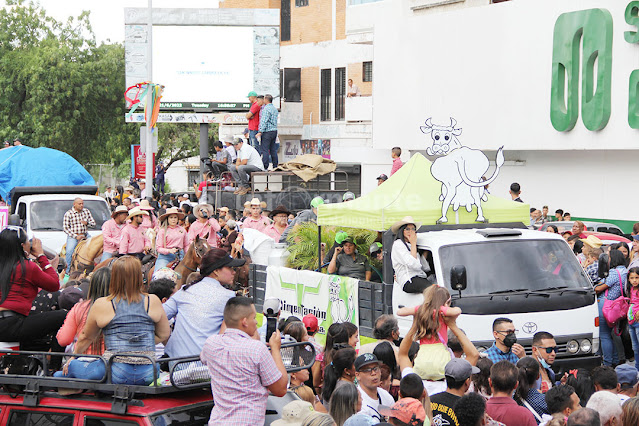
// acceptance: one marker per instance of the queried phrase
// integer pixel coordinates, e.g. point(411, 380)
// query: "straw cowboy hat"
point(118, 210)
point(256, 202)
point(135, 211)
point(279, 210)
point(592, 241)
point(207, 207)
point(169, 212)
point(405, 221)
point(144, 205)
point(129, 188)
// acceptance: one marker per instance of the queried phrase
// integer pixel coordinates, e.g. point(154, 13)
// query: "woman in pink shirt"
point(172, 239)
point(206, 226)
point(148, 222)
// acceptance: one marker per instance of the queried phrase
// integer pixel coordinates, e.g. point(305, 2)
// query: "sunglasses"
point(370, 370)
point(549, 350)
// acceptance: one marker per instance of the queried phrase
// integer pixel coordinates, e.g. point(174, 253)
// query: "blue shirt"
point(198, 312)
point(268, 118)
point(495, 354)
point(614, 286)
point(537, 401)
point(593, 272)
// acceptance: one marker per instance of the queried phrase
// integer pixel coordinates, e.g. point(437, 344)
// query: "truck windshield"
point(48, 215)
point(500, 266)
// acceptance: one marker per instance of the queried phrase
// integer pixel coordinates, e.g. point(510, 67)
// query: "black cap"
point(365, 359)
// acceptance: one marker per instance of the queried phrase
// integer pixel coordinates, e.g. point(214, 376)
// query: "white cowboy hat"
point(118, 210)
point(144, 205)
point(135, 211)
point(169, 212)
point(129, 188)
point(208, 207)
point(256, 202)
point(592, 241)
point(405, 221)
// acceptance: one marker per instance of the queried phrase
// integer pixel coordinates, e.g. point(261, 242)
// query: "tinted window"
point(50, 214)
point(98, 421)
point(26, 418)
point(522, 264)
point(198, 416)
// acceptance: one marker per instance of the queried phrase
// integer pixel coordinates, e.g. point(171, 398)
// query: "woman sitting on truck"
point(20, 281)
point(409, 266)
point(131, 321)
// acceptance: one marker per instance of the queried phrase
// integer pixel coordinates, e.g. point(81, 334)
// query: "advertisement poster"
point(138, 163)
point(293, 148)
point(4, 216)
point(331, 298)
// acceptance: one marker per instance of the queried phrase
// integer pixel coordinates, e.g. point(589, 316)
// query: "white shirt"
point(404, 264)
point(247, 152)
point(370, 406)
point(232, 153)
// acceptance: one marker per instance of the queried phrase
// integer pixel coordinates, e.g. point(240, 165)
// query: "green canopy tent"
point(413, 191)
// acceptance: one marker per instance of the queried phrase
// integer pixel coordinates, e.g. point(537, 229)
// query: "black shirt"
point(442, 405)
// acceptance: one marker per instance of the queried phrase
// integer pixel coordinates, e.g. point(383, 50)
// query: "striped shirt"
point(72, 223)
point(495, 354)
point(268, 118)
point(241, 369)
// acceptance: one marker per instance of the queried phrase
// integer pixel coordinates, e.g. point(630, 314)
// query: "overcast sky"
point(107, 16)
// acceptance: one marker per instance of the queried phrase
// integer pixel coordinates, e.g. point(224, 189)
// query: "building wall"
point(355, 72)
point(312, 23)
point(249, 4)
point(310, 94)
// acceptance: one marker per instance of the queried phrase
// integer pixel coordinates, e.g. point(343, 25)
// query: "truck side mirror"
point(603, 268)
point(458, 277)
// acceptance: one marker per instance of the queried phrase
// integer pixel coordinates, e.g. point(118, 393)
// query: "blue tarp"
point(25, 166)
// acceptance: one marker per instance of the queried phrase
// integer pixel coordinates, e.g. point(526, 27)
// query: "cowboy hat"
point(223, 209)
point(129, 188)
point(247, 205)
point(135, 211)
point(592, 241)
point(144, 205)
point(256, 202)
point(118, 210)
point(207, 207)
point(169, 212)
point(279, 210)
point(405, 221)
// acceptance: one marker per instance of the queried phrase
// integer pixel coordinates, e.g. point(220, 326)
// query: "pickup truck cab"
point(41, 212)
point(528, 276)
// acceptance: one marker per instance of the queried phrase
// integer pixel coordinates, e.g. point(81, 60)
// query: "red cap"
point(407, 410)
point(310, 322)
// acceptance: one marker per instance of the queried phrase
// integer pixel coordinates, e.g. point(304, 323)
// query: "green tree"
point(180, 141)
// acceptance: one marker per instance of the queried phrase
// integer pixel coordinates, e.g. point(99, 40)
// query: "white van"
point(530, 277)
point(41, 212)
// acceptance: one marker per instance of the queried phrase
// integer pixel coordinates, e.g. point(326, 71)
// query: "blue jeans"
point(132, 374)
point(90, 370)
point(633, 330)
point(610, 355)
point(269, 147)
point(71, 245)
point(106, 255)
point(253, 140)
point(164, 259)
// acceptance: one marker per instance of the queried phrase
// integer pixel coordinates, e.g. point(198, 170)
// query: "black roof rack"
point(184, 374)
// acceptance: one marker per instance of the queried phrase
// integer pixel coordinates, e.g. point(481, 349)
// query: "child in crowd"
point(172, 239)
point(163, 288)
point(633, 312)
point(396, 152)
point(431, 331)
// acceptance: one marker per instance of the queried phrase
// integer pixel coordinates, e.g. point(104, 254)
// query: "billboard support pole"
point(149, 144)
point(204, 146)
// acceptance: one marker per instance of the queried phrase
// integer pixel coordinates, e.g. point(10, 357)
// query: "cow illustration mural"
point(460, 169)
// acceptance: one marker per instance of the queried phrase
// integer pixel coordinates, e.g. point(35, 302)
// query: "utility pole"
point(149, 143)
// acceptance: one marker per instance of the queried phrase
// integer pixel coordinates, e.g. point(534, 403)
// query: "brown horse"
point(86, 253)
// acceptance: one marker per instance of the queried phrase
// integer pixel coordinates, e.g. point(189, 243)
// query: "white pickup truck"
point(40, 211)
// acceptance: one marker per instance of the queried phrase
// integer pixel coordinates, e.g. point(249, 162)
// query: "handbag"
point(614, 310)
point(19, 365)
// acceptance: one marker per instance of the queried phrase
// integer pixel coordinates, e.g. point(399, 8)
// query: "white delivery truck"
point(531, 277)
point(40, 211)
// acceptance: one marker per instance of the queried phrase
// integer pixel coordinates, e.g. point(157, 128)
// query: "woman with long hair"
point(172, 240)
point(526, 393)
point(339, 335)
point(345, 402)
point(410, 267)
point(75, 322)
point(198, 308)
point(132, 322)
point(339, 372)
point(20, 281)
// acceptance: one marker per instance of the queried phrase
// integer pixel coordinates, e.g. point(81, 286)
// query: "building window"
point(285, 21)
point(291, 89)
point(301, 3)
point(340, 92)
point(367, 72)
point(325, 95)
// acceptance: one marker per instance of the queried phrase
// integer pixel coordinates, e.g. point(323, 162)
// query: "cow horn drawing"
point(460, 169)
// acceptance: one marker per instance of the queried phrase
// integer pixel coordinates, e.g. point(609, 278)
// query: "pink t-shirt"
point(397, 164)
point(211, 227)
point(257, 224)
point(111, 233)
point(133, 240)
point(176, 237)
point(272, 232)
point(442, 332)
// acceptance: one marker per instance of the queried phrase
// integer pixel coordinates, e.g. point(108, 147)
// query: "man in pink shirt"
point(205, 226)
point(133, 240)
point(280, 222)
point(256, 220)
point(396, 152)
point(112, 231)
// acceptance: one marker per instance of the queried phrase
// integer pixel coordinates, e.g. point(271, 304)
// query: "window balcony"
point(359, 108)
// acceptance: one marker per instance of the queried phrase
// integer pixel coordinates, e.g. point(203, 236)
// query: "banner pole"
point(319, 248)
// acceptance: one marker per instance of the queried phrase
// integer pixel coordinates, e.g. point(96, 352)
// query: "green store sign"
point(590, 30)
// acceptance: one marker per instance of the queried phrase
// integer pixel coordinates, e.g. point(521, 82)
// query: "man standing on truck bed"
point(75, 224)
